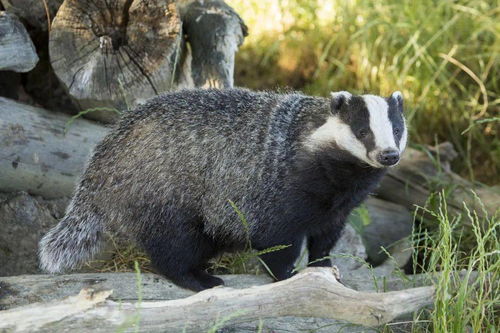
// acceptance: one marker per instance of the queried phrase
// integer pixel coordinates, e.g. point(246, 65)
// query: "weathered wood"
point(313, 292)
point(17, 52)
point(418, 175)
point(214, 32)
point(38, 14)
point(115, 53)
point(26, 289)
point(41, 153)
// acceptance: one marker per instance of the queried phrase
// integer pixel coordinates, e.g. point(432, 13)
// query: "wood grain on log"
point(115, 53)
point(40, 152)
point(17, 52)
point(315, 292)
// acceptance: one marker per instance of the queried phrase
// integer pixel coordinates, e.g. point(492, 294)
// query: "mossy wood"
point(315, 292)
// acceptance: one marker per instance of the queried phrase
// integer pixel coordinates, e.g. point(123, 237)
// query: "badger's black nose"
point(388, 157)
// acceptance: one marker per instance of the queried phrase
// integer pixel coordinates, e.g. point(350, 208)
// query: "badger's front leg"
point(320, 242)
point(281, 262)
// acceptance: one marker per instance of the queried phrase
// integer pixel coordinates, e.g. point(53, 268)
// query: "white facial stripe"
point(379, 122)
point(336, 131)
point(404, 138)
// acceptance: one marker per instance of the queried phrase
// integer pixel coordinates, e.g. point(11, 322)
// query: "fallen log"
point(315, 292)
point(420, 174)
point(17, 52)
point(27, 289)
point(41, 153)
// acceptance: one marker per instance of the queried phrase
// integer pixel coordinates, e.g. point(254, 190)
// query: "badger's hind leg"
point(179, 250)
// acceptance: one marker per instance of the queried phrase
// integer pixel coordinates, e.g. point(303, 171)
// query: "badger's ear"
point(397, 97)
point(339, 98)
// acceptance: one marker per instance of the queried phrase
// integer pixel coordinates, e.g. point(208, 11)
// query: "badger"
point(169, 176)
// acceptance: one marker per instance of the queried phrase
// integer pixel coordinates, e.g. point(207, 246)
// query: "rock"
point(24, 220)
point(348, 254)
point(33, 12)
point(17, 52)
point(389, 224)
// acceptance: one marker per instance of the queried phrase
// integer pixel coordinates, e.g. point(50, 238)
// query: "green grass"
point(443, 55)
point(468, 283)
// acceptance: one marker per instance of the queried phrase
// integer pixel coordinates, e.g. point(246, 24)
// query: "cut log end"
point(115, 53)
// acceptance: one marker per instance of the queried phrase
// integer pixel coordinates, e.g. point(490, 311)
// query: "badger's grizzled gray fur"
point(294, 165)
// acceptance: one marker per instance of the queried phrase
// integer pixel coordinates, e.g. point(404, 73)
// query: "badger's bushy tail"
point(76, 239)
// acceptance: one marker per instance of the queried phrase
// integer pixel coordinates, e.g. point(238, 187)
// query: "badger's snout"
point(388, 157)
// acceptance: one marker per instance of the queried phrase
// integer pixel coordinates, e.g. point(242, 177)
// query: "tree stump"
point(115, 53)
point(214, 32)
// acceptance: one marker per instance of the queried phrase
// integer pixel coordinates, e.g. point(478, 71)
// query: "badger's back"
point(196, 149)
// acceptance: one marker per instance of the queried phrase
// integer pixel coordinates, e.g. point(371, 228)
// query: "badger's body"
point(165, 176)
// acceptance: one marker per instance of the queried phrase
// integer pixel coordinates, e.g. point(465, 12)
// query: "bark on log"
point(40, 152)
point(17, 52)
point(419, 174)
point(214, 32)
point(35, 13)
point(314, 292)
point(115, 53)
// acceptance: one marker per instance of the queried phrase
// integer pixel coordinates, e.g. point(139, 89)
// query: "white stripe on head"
point(404, 138)
point(380, 123)
point(347, 95)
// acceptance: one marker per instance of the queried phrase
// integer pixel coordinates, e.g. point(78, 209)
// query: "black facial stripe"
point(356, 115)
point(396, 118)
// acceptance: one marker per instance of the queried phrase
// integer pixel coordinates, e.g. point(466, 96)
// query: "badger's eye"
point(362, 133)
point(396, 131)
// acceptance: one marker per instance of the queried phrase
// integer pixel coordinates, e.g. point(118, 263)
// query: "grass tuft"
point(467, 284)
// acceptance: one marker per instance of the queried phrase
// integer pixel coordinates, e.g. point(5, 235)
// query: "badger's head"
point(370, 128)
